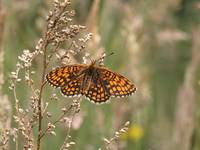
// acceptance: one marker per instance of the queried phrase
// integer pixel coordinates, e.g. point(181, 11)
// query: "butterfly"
point(96, 82)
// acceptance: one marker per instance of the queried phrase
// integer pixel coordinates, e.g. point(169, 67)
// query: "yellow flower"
point(135, 132)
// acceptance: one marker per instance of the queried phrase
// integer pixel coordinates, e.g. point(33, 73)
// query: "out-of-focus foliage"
point(154, 42)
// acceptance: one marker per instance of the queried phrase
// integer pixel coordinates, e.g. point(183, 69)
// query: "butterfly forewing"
point(117, 85)
point(61, 76)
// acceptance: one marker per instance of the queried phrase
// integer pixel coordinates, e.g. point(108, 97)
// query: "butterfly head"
point(92, 65)
point(99, 60)
point(93, 62)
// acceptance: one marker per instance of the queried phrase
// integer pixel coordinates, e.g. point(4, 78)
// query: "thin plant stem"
point(17, 110)
point(40, 95)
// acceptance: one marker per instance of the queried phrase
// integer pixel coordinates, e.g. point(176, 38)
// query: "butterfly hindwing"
point(73, 88)
point(96, 92)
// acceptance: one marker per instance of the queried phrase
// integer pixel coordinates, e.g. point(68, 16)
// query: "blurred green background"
point(156, 45)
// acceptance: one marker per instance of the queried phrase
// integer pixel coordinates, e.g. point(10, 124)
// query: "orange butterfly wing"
point(59, 77)
point(73, 88)
point(117, 85)
point(97, 92)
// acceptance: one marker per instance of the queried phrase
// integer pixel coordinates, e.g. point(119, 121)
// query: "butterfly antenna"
point(101, 59)
point(110, 54)
point(90, 58)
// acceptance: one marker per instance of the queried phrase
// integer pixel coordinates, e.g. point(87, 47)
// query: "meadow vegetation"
point(155, 44)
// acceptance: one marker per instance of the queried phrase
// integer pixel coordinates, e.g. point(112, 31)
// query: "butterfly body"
point(96, 82)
